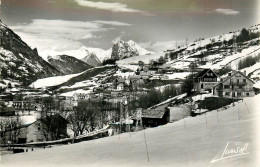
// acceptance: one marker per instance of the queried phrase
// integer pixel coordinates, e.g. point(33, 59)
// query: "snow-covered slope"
point(52, 81)
point(194, 141)
point(92, 60)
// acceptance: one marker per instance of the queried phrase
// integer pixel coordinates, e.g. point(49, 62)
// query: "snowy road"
point(196, 141)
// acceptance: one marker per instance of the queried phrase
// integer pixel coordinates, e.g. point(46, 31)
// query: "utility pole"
point(120, 116)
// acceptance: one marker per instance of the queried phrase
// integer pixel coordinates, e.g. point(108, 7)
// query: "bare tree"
point(50, 123)
point(83, 117)
point(10, 128)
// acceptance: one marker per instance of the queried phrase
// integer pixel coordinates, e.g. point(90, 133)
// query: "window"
point(226, 86)
point(227, 93)
point(239, 94)
point(240, 87)
point(237, 81)
point(247, 94)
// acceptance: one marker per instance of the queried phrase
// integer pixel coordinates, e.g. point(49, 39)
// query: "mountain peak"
point(122, 49)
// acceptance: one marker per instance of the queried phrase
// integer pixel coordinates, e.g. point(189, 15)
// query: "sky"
point(157, 25)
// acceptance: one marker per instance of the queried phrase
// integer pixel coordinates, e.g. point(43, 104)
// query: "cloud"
point(160, 46)
point(227, 11)
point(59, 35)
point(114, 7)
point(116, 39)
point(115, 23)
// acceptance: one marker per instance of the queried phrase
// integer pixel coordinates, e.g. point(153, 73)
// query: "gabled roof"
point(234, 73)
point(153, 113)
point(142, 73)
point(205, 71)
point(165, 66)
point(135, 77)
point(120, 80)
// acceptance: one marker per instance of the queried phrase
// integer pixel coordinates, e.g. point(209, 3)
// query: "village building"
point(145, 74)
point(165, 68)
point(24, 106)
point(79, 96)
point(7, 111)
point(237, 84)
point(37, 131)
point(120, 83)
point(205, 80)
point(153, 118)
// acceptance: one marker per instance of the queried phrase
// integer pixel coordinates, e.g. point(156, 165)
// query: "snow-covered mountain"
point(95, 56)
point(18, 61)
point(122, 50)
point(91, 56)
point(68, 64)
point(92, 59)
point(99, 53)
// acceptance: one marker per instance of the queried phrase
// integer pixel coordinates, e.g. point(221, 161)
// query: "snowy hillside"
point(194, 141)
point(52, 81)
point(18, 61)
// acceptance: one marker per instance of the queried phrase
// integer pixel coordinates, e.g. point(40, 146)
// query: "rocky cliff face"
point(18, 61)
point(122, 50)
point(92, 59)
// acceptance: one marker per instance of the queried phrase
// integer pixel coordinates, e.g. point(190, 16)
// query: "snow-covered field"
point(194, 141)
point(144, 58)
point(178, 75)
point(71, 93)
point(52, 81)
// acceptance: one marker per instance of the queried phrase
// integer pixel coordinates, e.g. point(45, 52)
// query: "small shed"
point(153, 118)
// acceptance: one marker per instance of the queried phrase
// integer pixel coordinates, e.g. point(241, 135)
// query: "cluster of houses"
point(235, 85)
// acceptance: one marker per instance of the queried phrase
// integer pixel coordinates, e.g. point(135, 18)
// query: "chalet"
point(237, 84)
point(205, 80)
